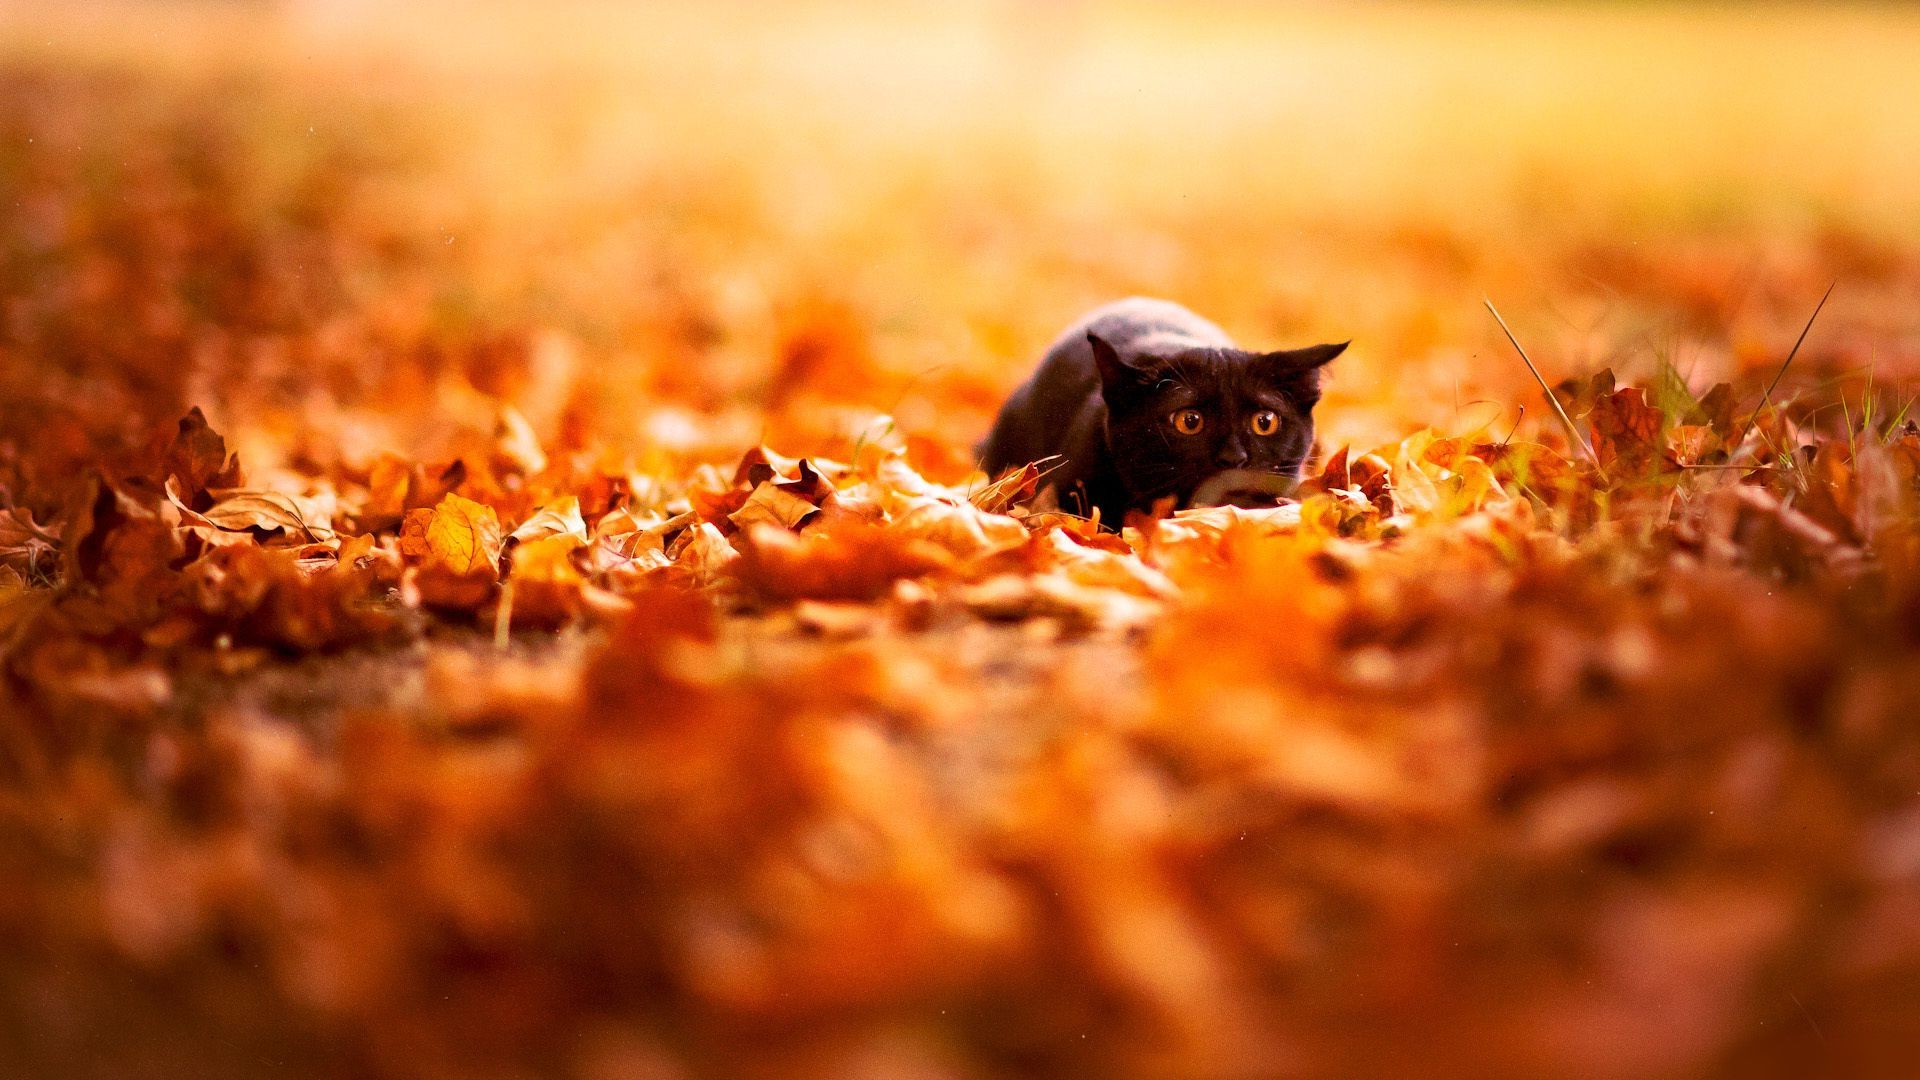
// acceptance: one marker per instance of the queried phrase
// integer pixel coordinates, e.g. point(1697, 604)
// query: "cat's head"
point(1180, 419)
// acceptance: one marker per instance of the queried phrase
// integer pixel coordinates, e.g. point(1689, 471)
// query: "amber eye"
point(1188, 421)
point(1265, 423)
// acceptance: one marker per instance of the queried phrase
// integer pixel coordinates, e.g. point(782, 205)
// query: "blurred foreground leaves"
point(1468, 719)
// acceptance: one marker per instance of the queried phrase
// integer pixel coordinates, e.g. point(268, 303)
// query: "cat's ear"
point(1310, 358)
point(1114, 371)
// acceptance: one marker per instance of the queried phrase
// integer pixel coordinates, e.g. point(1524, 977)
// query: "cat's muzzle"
point(1249, 488)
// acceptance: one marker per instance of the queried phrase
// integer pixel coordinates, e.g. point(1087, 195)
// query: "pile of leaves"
point(1481, 758)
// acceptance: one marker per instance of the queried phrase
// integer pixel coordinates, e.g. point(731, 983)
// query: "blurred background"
point(342, 226)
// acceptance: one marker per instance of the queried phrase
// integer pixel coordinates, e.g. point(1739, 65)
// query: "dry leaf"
point(459, 535)
point(561, 518)
point(771, 505)
point(269, 511)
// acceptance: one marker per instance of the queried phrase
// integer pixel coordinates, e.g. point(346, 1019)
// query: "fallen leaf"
point(561, 518)
point(459, 535)
point(270, 511)
point(772, 505)
point(197, 458)
point(1627, 434)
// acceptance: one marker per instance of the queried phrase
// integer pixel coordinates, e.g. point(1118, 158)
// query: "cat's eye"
point(1188, 421)
point(1265, 423)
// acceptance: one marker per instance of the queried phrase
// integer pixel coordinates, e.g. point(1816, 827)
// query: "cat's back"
point(1138, 324)
point(1143, 324)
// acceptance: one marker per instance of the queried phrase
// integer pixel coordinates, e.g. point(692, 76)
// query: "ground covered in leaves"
point(492, 581)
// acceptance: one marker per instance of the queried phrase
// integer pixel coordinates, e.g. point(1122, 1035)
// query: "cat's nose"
point(1232, 455)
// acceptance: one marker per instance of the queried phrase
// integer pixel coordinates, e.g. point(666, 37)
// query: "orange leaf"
point(770, 504)
point(268, 510)
point(465, 535)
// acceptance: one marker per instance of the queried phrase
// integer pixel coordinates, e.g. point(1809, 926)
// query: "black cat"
point(1143, 400)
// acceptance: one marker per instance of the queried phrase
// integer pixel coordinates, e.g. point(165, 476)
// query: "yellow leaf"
point(459, 535)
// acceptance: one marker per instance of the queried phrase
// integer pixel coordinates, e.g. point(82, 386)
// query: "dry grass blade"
point(1559, 410)
point(1766, 395)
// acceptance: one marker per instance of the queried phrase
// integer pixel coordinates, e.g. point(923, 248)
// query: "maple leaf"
point(1372, 476)
point(1628, 433)
point(428, 485)
point(1769, 534)
point(1101, 566)
point(118, 540)
point(1015, 487)
point(275, 596)
point(1832, 498)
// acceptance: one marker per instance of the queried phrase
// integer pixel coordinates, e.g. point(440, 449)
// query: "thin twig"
point(1766, 396)
point(1558, 409)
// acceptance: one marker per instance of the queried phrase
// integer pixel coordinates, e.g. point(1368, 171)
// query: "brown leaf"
point(1334, 475)
point(1716, 410)
point(1017, 486)
point(701, 554)
point(197, 458)
point(1830, 498)
point(1579, 396)
point(1627, 433)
